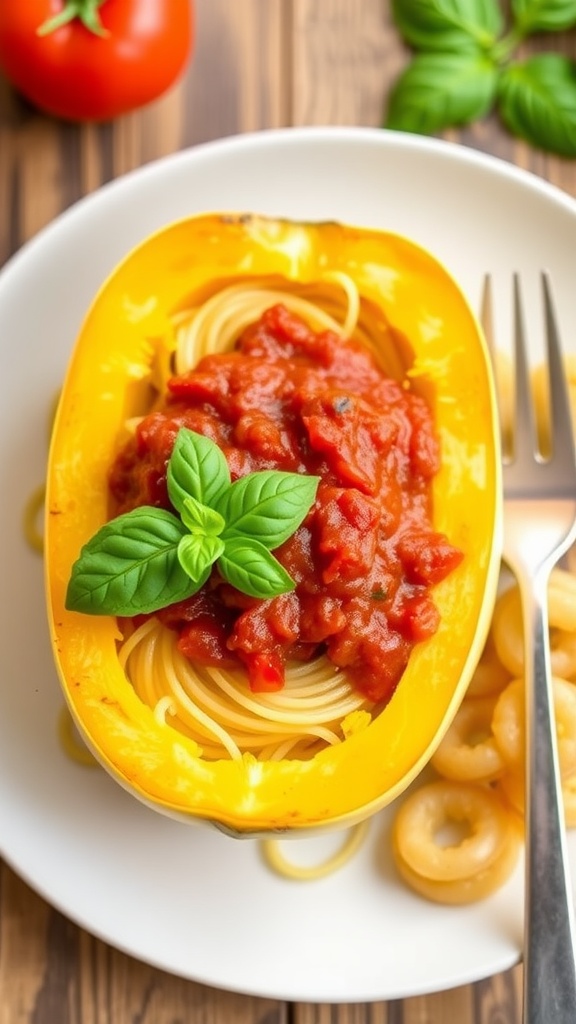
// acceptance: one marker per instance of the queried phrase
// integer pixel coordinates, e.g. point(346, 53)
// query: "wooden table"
point(257, 64)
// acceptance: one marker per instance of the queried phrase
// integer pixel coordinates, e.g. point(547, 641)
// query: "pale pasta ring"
point(507, 631)
point(511, 786)
point(468, 752)
point(507, 624)
point(490, 675)
point(562, 600)
point(569, 796)
point(563, 654)
point(438, 806)
point(508, 723)
point(464, 890)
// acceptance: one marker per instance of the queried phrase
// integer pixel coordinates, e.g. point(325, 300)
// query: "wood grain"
point(257, 64)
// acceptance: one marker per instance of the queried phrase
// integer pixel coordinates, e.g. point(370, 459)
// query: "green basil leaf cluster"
point(464, 66)
point(146, 559)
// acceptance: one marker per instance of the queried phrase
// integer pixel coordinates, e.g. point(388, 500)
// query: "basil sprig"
point(464, 66)
point(146, 559)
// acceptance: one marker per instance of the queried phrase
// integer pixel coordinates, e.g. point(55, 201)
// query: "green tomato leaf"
point(449, 25)
point(438, 90)
point(197, 469)
point(267, 506)
point(543, 15)
point(538, 102)
point(130, 566)
point(197, 554)
point(249, 566)
point(200, 519)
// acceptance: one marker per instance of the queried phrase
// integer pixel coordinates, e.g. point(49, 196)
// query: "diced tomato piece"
point(265, 672)
point(366, 557)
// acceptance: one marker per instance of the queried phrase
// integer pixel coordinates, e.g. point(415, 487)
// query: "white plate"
point(187, 899)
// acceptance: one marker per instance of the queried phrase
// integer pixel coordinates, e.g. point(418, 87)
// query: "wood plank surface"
point(257, 64)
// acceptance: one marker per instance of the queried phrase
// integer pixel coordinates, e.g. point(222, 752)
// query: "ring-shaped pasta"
point(468, 751)
point(435, 807)
point(562, 600)
point(511, 786)
point(464, 890)
point(490, 675)
point(509, 730)
point(565, 712)
point(569, 797)
point(508, 723)
point(563, 654)
point(507, 631)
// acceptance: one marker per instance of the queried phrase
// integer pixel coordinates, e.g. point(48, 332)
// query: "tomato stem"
point(85, 10)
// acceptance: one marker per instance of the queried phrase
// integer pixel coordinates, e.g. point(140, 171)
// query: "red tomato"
point(80, 74)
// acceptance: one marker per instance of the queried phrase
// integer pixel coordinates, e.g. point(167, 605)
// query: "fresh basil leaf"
point(267, 506)
point(130, 566)
point(538, 102)
point(543, 15)
point(438, 90)
point(197, 469)
point(197, 554)
point(449, 25)
point(200, 519)
point(249, 566)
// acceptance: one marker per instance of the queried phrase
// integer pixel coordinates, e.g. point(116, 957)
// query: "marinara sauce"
point(366, 557)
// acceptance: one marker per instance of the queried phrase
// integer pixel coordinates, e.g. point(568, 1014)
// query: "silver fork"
point(539, 526)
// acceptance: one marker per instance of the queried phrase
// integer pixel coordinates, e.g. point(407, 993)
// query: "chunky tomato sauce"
point(366, 557)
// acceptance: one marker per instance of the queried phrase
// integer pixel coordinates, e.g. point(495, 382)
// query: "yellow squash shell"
point(121, 344)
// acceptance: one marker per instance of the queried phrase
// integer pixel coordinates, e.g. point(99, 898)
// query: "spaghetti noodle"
point(213, 703)
point(218, 710)
point(274, 853)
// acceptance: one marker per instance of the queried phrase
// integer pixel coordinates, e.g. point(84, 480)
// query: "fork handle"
point(549, 951)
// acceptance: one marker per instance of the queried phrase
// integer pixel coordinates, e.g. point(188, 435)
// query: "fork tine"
point(487, 321)
point(487, 315)
point(522, 449)
point(560, 412)
point(525, 435)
